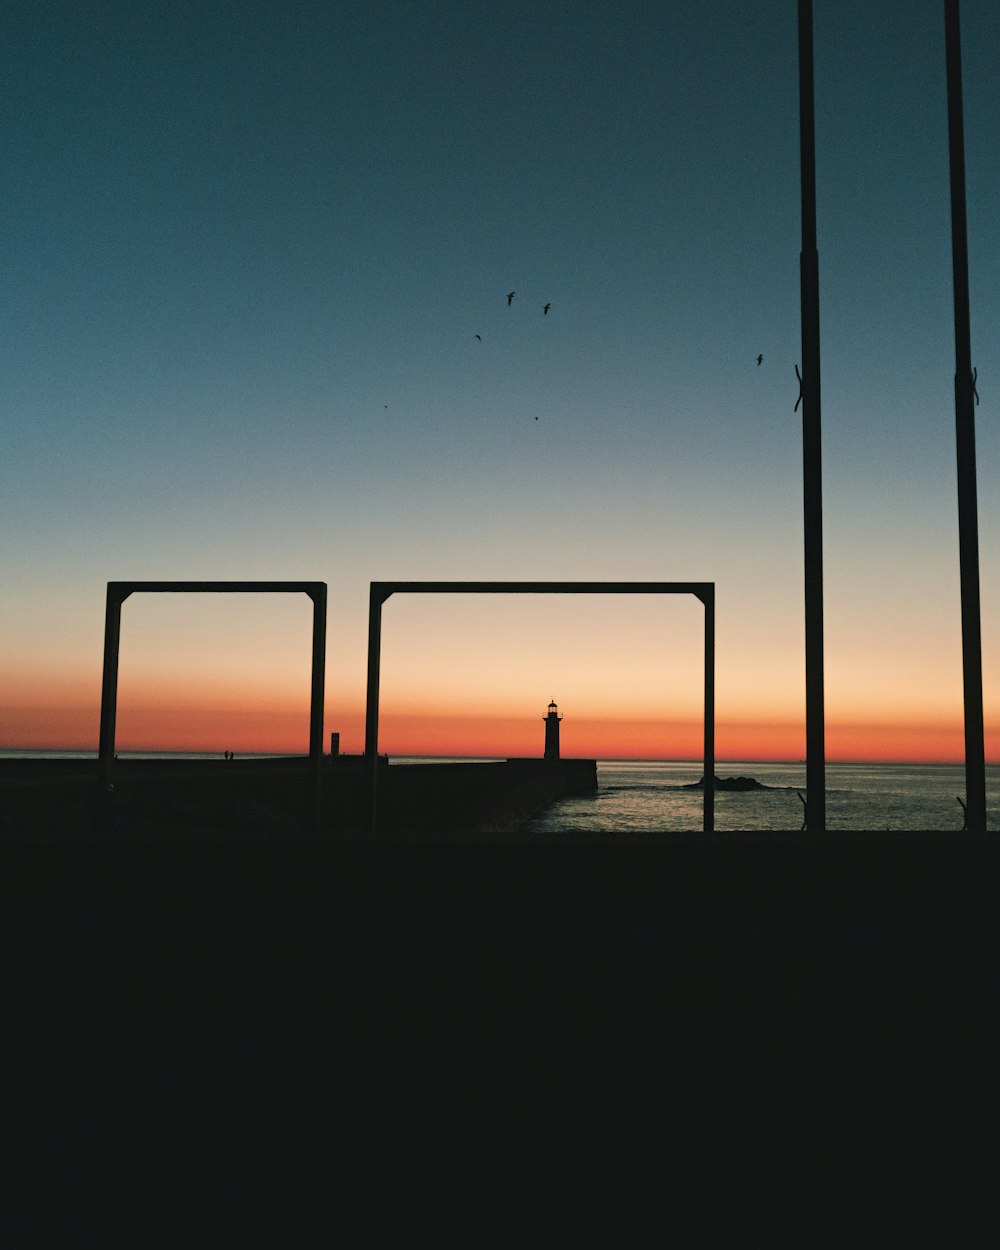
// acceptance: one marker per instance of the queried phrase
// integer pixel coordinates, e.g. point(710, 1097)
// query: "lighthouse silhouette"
point(552, 732)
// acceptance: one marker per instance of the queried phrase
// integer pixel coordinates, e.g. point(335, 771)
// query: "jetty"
point(264, 798)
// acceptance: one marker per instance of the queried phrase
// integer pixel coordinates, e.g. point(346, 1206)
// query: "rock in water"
point(730, 783)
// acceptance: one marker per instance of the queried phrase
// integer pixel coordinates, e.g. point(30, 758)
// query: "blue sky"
point(249, 247)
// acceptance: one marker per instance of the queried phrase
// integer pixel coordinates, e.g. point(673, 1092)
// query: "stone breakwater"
point(261, 799)
point(477, 798)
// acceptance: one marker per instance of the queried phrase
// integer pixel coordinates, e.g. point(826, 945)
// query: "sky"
point(248, 250)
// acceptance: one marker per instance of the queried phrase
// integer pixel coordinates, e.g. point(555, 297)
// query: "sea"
point(642, 796)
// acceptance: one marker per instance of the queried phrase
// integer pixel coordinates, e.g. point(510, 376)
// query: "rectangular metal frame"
point(118, 592)
point(381, 591)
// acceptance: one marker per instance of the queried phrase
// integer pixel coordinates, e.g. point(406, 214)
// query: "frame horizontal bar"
point(701, 590)
point(122, 590)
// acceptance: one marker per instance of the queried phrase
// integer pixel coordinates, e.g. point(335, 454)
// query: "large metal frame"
point(118, 592)
point(381, 591)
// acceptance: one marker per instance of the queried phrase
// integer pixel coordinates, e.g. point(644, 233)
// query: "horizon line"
point(609, 759)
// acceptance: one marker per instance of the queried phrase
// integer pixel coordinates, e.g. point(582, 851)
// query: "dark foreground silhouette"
point(371, 1036)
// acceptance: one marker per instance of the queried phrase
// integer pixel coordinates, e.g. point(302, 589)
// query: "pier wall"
point(271, 798)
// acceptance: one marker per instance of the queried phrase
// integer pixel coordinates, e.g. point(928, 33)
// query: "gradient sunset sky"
point(248, 247)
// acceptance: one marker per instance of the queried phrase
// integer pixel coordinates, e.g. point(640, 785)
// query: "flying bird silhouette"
point(510, 296)
point(545, 310)
point(760, 361)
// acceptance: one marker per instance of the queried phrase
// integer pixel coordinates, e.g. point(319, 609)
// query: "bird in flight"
point(478, 339)
point(545, 310)
point(760, 361)
point(510, 296)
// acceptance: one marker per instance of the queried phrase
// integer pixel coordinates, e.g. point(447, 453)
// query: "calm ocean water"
point(637, 796)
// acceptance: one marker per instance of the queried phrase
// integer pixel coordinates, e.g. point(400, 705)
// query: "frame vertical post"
point(965, 439)
point(375, 601)
point(316, 703)
point(109, 686)
point(708, 599)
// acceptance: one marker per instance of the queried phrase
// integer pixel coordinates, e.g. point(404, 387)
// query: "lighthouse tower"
point(552, 732)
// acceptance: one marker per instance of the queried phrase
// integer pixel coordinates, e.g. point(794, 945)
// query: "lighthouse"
point(552, 732)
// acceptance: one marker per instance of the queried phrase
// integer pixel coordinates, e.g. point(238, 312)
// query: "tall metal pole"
point(965, 437)
point(812, 463)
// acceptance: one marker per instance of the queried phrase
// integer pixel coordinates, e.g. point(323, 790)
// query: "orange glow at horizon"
point(277, 731)
point(152, 717)
point(592, 738)
point(285, 728)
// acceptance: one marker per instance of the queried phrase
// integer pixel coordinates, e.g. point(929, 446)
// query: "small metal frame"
point(381, 591)
point(118, 592)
